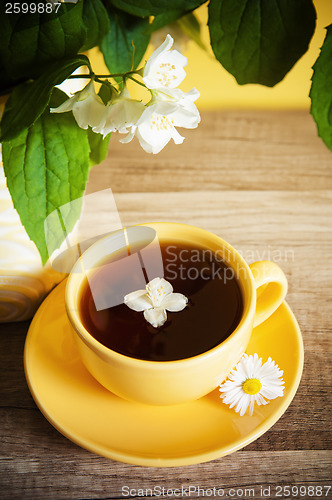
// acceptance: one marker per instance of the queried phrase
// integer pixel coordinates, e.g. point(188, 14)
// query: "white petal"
point(156, 316)
point(125, 114)
point(155, 127)
point(260, 400)
point(272, 392)
point(174, 302)
point(232, 395)
point(124, 94)
point(166, 45)
point(101, 127)
point(177, 138)
point(165, 67)
point(157, 282)
point(168, 95)
point(183, 117)
point(167, 71)
point(129, 137)
point(138, 301)
point(89, 90)
point(88, 112)
point(122, 113)
point(152, 143)
point(251, 406)
point(66, 105)
point(192, 95)
point(158, 289)
point(242, 404)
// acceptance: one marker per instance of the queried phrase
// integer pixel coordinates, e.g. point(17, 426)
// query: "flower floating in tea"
point(155, 300)
point(252, 381)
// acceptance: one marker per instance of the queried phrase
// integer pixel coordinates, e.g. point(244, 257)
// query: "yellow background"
point(219, 89)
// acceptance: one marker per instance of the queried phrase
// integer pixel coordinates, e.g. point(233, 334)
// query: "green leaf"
point(165, 19)
point(46, 167)
point(105, 92)
point(191, 27)
point(146, 8)
point(28, 100)
point(30, 41)
point(126, 32)
point(258, 41)
point(96, 23)
point(98, 147)
point(321, 90)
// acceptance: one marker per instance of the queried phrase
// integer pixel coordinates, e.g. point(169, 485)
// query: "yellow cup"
point(173, 382)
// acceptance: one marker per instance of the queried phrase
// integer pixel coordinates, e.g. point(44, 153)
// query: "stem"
point(136, 81)
point(79, 76)
point(104, 82)
point(113, 75)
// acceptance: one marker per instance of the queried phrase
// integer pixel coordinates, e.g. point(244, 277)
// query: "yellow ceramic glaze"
point(174, 382)
point(94, 418)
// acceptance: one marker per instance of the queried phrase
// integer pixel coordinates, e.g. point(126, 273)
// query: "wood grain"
point(245, 150)
point(262, 181)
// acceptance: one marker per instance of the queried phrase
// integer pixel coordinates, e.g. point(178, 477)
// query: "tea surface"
point(213, 311)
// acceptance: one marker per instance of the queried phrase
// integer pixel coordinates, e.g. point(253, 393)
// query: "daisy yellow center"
point(252, 386)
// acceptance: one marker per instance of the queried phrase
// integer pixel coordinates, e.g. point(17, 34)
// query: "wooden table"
point(261, 180)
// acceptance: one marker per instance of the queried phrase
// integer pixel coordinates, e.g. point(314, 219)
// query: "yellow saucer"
point(83, 411)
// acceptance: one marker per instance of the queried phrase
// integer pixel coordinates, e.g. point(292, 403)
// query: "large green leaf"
point(258, 41)
point(96, 23)
point(321, 90)
point(46, 167)
point(126, 33)
point(146, 8)
point(28, 42)
point(28, 100)
point(98, 147)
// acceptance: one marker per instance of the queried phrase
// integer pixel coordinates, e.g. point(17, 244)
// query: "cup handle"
point(271, 288)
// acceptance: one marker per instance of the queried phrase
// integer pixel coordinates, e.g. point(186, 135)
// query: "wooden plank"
point(245, 150)
point(85, 476)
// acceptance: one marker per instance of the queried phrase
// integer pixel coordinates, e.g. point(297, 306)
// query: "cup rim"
point(74, 279)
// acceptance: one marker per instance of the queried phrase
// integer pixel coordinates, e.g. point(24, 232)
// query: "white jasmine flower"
point(183, 100)
point(121, 114)
point(87, 107)
point(165, 67)
point(155, 301)
point(166, 111)
point(250, 382)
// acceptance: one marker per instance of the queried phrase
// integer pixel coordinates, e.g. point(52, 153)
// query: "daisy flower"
point(252, 381)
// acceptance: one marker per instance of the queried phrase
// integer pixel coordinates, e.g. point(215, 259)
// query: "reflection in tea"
point(213, 311)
